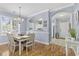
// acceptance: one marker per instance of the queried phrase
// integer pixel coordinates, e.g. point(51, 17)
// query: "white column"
point(19, 47)
point(11, 26)
point(1, 24)
point(66, 47)
point(71, 20)
point(18, 28)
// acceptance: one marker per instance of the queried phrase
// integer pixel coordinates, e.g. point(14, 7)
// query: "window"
point(39, 24)
point(5, 24)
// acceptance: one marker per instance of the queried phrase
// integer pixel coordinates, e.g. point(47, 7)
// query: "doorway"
point(60, 25)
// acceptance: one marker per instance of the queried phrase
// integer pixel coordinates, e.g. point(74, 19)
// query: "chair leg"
point(26, 51)
point(13, 51)
point(9, 47)
point(31, 47)
point(10, 51)
point(22, 49)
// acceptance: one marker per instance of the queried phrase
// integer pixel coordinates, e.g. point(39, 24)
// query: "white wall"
point(3, 39)
point(64, 29)
point(23, 27)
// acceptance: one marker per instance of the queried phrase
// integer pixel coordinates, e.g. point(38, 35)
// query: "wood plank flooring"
point(39, 50)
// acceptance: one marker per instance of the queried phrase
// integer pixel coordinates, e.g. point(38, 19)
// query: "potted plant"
point(72, 33)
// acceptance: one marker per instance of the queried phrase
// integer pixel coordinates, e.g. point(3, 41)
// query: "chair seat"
point(30, 42)
point(29, 45)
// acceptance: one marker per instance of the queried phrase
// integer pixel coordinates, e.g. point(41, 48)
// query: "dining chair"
point(12, 43)
point(30, 41)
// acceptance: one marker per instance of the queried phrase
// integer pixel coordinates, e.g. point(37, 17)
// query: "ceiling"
point(63, 16)
point(28, 8)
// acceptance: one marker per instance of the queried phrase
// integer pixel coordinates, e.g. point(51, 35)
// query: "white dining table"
point(21, 39)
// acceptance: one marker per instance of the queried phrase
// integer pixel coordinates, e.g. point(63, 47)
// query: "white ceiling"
point(29, 8)
point(63, 16)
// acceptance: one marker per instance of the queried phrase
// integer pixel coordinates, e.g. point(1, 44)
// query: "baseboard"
point(35, 41)
point(42, 42)
point(3, 43)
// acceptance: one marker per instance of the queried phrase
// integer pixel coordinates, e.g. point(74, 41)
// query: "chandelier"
point(19, 19)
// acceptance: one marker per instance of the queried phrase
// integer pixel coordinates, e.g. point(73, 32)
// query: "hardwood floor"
point(39, 50)
point(4, 50)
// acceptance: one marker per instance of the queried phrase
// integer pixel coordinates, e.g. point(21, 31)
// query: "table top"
point(22, 37)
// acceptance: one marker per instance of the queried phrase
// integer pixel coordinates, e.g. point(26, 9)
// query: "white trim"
point(3, 43)
point(42, 42)
point(38, 13)
point(60, 8)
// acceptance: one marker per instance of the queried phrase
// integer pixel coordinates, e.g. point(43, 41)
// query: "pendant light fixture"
point(20, 19)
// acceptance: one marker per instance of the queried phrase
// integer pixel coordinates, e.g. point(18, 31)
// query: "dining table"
point(21, 39)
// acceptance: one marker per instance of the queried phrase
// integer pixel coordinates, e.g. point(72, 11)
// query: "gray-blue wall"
point(23, 27)
point(42, 36)
point(3, 38)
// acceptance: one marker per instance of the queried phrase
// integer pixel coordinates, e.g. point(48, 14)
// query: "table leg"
point(19, 47)
point(77, 51)
point(66, 50)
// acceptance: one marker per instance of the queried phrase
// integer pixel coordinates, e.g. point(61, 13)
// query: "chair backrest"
point(32, 36)
point(30, 42)
point(10, 38)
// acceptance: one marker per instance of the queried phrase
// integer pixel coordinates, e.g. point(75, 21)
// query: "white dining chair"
point(12, 43)
point(30, 41)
